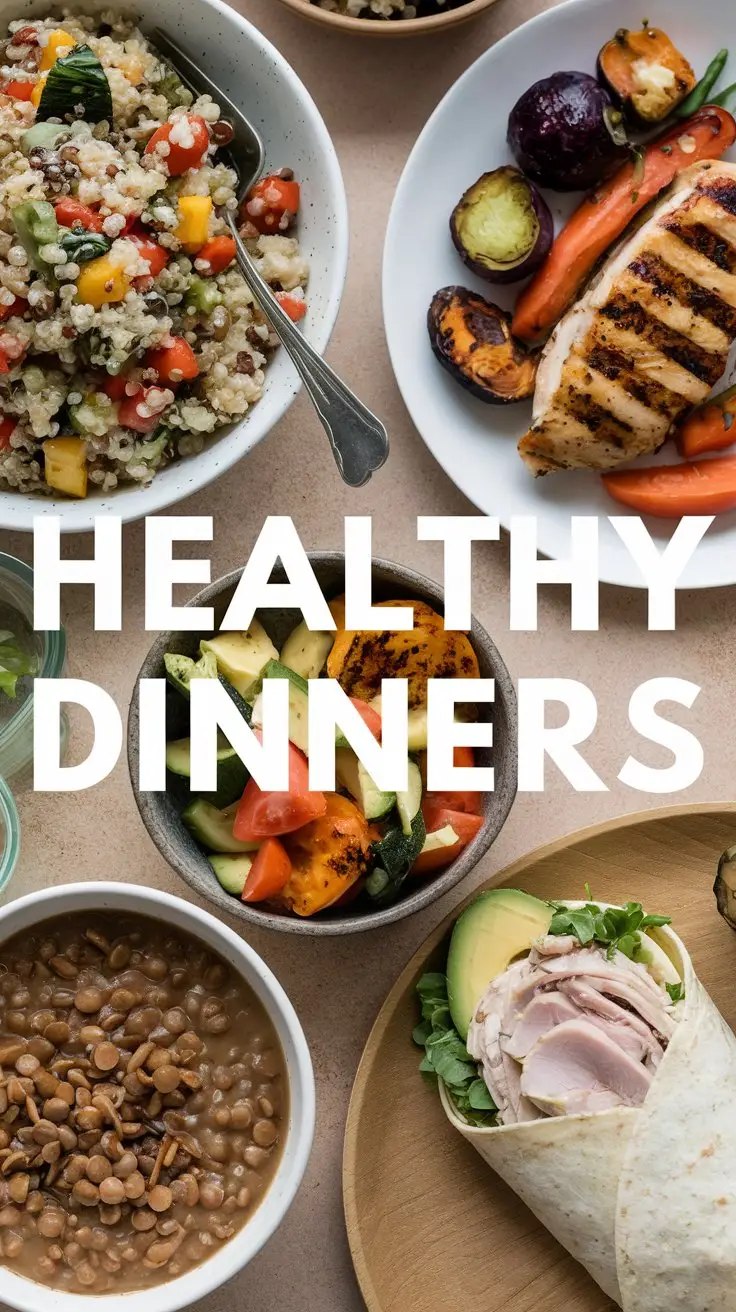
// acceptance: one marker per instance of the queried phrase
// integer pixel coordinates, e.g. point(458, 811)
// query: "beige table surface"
point(375, 97)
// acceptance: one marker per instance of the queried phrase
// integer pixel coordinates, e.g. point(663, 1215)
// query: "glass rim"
point(54, 651)
point(10, 822)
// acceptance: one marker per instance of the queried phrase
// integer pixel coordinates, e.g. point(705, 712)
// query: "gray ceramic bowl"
point(160, 811)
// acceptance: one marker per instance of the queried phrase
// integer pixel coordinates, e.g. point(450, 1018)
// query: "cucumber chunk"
point(180, 670)
point(232, 775)
point(213, 828)
point(352, 774)
point(409, 801)
point(232, 871)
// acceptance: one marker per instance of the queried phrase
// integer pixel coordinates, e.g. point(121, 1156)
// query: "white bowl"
point(29, 911)
point(253, 73)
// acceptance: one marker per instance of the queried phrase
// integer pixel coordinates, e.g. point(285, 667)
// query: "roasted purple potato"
point(559, 134)
point(472, 340)
point(502, 226)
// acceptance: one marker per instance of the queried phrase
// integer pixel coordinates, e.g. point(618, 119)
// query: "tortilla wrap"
point(643, 1197)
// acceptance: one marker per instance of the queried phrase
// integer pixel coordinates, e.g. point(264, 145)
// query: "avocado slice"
point(497, 927)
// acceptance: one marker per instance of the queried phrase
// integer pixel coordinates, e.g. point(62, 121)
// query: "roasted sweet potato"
point(328, 856)
point(361, 660)
point(472, 340)
point(645, 73)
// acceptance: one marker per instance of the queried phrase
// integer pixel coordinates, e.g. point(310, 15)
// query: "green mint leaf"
point(479, 1097)
point(421, 1033)
point(655, 921)
point(432, 985)
point(676, 991)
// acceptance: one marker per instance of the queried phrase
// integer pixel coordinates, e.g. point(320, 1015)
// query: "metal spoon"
point(359, 440)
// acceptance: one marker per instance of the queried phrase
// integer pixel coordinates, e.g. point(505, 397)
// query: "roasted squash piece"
point(472, 340)
point(361, 660)
point(327, 856)
point(645, 73)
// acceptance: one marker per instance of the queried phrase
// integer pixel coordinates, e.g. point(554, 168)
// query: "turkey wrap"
point(616, 1097)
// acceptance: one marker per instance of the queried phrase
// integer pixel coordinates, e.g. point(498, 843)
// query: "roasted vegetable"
point(645, 73)
point(725, 886)
point(78, 81)
point(603, 217)
point(700, 94)
point(428, 651)
point(395, 854)
point(472, 339)
point(328, 856)
point(502, 226)
point(710, 427)
point(559, 132)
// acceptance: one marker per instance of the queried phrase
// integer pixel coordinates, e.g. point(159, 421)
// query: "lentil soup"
point(143, 1103)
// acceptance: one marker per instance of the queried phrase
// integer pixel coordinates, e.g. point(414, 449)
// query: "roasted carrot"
point(704, 487)
point(605, 214)
point(709, 428)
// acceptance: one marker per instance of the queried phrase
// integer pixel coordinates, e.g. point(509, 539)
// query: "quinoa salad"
point(394, 9)
point(127, 334)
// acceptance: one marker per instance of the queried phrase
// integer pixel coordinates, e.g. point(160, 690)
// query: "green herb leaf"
point(618, 928)
point(676, 991)
point(83, 246)
point(14, 664)
point(76, 87)
point(446, 1057)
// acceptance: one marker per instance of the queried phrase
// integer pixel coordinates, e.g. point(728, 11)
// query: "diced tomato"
point(70, 211)
point(369, 716)
point(263, 814)
point(175, 364)
point(269, 873)
point(180, 158)
point(294, 306)
point(460, 801)
point(218, 253)
point(7, 428)
point(18, 306)
point(271, 203)
point(19, 90)
point(156, 257)
point(465, 826)
point(12, 350)
point(130, 417)
point(114, 386)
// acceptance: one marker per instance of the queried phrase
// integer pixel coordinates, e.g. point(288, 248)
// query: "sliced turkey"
point(577, 1068)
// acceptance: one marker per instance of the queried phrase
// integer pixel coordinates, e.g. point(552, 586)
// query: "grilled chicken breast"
point(649, 338)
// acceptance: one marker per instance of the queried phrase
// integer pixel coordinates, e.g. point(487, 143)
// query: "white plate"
point(476, 443)
point(252, 72)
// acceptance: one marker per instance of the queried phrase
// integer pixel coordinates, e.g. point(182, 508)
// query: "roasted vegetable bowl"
point(325, 863)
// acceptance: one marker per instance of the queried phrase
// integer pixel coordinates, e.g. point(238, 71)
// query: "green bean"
point(700, 93)
point(725, 96)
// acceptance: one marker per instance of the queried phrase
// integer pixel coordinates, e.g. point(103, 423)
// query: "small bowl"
point(160, 811)
point(439, 22)
point(252, 72)
point(27, 1295)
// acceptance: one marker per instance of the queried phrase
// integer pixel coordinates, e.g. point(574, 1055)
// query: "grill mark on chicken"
point(620, 368)
point(707, 243)
point(671, 285)
point(722, 191)
point(704, 365)
point(595, 417)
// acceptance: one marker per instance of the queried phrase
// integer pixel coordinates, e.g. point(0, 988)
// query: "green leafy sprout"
point(14, 663)
point(618, 928)
point(446, 1057)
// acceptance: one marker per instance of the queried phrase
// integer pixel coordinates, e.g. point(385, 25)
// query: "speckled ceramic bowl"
point(160, 811)
point(380, 27)
point(253, 73)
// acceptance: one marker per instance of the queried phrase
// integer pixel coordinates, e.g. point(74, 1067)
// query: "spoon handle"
point(359, 440)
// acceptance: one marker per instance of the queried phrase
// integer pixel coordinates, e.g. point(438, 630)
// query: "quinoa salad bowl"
point(134, 365)
point(389, 17)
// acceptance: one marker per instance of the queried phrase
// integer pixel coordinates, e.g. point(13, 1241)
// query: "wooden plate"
point(431, 1228)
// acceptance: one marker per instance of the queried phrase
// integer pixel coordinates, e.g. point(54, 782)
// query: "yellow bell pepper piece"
point(65, 465)
point(37, 91)
point(59, 44)
point(194, 222)
point(101, 281)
